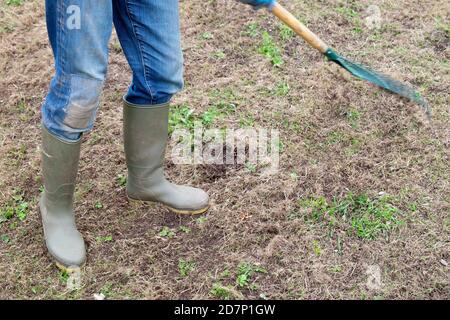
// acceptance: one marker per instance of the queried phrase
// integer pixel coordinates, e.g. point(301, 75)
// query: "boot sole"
point(65, 269)
point(177, 211)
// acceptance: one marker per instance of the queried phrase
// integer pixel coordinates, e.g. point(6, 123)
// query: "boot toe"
point(190, 200)
point(67, 248)
point(201, 199)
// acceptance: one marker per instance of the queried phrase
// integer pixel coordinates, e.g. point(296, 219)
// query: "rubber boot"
point(59, 167)
point(145, 135)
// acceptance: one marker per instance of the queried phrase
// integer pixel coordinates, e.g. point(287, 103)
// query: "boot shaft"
point(59, 167)
point(145, 133)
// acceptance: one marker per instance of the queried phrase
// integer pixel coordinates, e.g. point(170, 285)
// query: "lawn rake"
point(357, 70)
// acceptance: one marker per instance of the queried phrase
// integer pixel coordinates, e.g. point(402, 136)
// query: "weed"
point(247, 122)
point(286, 33)
point(15, 207)
point(166, 232)
point(270, 50)
point(5, 238)
point(63, 277)
point(14, 2)
point(181, 116)
point(185, 229)
point(117, 48)
point(278, 145)
point(22, 210)
point(122, 180)
point(208, 117)
point(207, 35)
point(334, 137)
point(336, 269)
point(222, 292)
point(318, 206)
point(443, 26)
point(365, 217)
point(98, 205)
point(219, 54)
point(353, 117)
point(245, 273)
point(225, 273)
point(251, 167)
point(201, 220)
point(371, 218)
point(294, 175)
point(185, 267)
point(106, 290)
point(354, 148)
point(252, 29)
point(282, 89)
point(17, 154)
point(353, 17)
point(316, 247)
point(101, 239)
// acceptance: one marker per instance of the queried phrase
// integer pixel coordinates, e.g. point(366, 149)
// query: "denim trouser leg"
point(79, 32)
point(149, 32)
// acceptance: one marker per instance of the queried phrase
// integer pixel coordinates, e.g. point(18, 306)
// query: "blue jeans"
point(79, 32)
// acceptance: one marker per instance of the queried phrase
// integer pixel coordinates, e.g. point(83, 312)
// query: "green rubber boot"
point(59, 167)
point(145, 135)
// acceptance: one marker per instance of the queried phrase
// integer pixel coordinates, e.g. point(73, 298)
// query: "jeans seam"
point(60, 44)
point(62, 56)
point(141, 52)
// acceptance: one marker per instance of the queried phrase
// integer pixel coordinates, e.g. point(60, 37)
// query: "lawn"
point(360, 205)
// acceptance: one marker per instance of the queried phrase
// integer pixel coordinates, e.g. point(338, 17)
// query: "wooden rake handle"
point(288, 18)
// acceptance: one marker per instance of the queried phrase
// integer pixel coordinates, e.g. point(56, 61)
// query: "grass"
point(185, 229)
point(5, 238)
point(181, 116)
point(270, 50)
point(282, 89)
point(98, 205)
point(245, 273)
point(222, 292)
point(253, 29)
point(286, 33)
point(15, 208)
point(103, 239)
point(353, 117)
point(166, 232)
point(365, 217)
point(313, 225)
point(17, 154)
point(121, 180)
point(185, 267)
point(14, 2)
point(184, 117)
point(352, 16)
point(245, 279)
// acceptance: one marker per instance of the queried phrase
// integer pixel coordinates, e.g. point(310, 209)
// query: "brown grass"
point(398, 152)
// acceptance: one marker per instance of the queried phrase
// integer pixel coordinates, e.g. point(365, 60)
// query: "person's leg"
point(79, 31)
point(149, 31)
